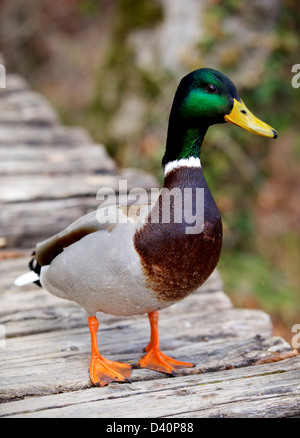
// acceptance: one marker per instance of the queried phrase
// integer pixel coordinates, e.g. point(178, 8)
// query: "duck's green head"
point(203, 98)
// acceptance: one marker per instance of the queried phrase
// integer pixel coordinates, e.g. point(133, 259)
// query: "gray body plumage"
point(102, 271)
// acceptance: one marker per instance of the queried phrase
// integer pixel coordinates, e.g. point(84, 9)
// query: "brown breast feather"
point(176, 263)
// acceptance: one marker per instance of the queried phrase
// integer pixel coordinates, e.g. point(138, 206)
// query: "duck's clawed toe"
point(157, 361)
point(103, 371)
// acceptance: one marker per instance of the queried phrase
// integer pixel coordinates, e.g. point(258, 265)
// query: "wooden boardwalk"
point(49, 176)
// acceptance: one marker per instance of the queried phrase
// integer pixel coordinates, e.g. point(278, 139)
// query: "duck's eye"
point(211, 89)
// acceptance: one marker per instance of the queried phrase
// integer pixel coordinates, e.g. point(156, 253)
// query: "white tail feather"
point(27, 278)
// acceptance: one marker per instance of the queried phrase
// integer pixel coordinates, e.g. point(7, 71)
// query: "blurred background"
point(112, 66)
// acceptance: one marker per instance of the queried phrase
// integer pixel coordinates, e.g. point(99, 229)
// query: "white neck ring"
point(183, 162)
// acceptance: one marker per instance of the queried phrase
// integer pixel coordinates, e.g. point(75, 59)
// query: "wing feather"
point(103, 218)
point(48, 249)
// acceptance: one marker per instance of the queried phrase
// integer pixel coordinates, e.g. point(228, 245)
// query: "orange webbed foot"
point(104, 371)
point(157, 361)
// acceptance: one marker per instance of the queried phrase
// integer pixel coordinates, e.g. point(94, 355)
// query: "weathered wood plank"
point(231, 393)
point(41, 312)
point(34, 217)
point(14, 84)
point(23, 159)
point(40, 135)
point(28, 188)
point(26, 107)
point(57, 362)
point(189, 329)
point(23, 224)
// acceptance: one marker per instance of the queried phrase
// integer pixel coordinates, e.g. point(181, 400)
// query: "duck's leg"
point(103, 371)
point(155, 359)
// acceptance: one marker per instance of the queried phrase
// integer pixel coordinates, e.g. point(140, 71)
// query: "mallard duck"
point(147, 260)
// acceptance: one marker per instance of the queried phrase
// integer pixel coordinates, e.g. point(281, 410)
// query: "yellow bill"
point(241, 116)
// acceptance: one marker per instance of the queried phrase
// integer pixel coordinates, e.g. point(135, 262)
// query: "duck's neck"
point(183, 144)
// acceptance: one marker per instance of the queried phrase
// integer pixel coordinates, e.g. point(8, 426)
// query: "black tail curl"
point(35, 267)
